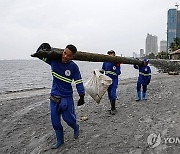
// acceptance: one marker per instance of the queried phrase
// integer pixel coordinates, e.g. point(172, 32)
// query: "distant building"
point(151, 44)
point(175, 55)
point(173, 26)
point(142, 53)
point(163, 46)
point(178, 24)
point(135, 55)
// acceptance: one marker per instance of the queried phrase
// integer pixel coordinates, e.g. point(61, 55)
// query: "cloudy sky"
point(91, 25)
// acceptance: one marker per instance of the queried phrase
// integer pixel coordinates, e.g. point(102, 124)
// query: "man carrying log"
point(64, 71)
point(143, 79)
point(112, 70)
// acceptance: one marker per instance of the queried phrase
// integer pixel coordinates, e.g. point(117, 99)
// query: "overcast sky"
point(91, 25)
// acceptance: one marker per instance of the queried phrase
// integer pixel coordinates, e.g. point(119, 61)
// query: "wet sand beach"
point(26, 128)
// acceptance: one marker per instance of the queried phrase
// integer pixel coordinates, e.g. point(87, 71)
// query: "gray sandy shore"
point(26, 128)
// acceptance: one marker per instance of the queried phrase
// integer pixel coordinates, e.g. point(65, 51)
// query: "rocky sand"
point(26, 128)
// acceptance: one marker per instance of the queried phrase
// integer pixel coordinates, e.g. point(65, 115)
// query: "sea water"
point(21, 75)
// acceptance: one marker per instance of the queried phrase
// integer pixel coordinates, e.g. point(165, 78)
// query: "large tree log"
point(55, 53)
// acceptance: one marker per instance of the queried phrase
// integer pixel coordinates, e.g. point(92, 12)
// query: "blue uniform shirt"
point(63, 75)
point(144, 74)
point(111, 69)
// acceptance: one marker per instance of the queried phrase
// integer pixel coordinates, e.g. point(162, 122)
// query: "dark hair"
point(72, 48)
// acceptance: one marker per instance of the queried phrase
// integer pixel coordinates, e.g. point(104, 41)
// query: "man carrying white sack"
point(112, 70)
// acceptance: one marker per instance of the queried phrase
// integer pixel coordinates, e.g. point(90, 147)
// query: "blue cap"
point(146, 60)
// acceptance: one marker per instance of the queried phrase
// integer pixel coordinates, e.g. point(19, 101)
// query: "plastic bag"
point(97, 85)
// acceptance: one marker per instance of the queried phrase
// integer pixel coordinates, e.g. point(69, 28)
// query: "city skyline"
point(93, 26)
point(173, 31)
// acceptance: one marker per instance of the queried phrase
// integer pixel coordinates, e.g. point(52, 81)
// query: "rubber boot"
point(59, 138)
point(76, 131)
point(138, 96)
point(113, 108)
point(144, 96)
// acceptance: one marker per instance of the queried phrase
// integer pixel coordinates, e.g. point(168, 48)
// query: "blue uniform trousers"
point(112, 94)
point(64, 108)
point(139, 84)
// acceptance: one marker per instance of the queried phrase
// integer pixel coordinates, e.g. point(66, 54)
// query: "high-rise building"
point(163, 45)
point(151, 44)
point(173, 26)
point(135, 55)
point(142, 53)
point(178, 24)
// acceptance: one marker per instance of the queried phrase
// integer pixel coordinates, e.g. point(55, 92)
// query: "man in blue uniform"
point(143, 79)
point(64, 71)
point(112, 70)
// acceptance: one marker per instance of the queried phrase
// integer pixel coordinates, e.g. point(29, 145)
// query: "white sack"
point(97, 85)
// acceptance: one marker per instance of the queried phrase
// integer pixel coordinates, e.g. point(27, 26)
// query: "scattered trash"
point(84, 118)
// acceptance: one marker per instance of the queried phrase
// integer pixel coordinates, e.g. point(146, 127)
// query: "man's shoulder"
point(55, 61)
point(148, 66)
point(73, 64)
point(108, 63)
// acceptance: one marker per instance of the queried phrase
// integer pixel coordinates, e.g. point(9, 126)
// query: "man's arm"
point(79, 86)
point(149, 73)
point(118, 69)
point(102, 70)
point(149, 77)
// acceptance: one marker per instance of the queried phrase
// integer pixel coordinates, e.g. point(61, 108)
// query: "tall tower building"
point(163, 46)
point(141, 52)
point(178, 24)
point(173, 26)
point(151, 44)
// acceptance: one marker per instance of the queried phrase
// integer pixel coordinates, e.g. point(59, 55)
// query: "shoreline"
point(42, 89)
point(26, 128)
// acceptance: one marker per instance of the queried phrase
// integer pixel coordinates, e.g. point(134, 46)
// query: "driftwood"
point(55, 53)
point(162, 65)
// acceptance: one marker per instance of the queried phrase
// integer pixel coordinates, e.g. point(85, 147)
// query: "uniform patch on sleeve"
point(67, 72)
point(114, 67)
